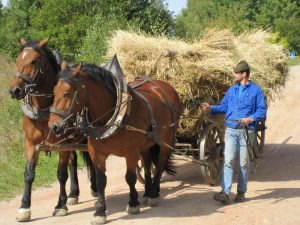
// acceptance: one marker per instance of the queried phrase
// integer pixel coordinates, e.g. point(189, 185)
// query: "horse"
point(153, 109)
point(35, 79)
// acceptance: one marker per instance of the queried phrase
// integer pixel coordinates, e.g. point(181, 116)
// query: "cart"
point(207, 149)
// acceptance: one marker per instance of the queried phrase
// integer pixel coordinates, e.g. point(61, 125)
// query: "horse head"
point(82, 91)
point(36, 68)
point(70, 97)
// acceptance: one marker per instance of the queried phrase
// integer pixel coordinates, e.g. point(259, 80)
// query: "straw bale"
point(202, 70)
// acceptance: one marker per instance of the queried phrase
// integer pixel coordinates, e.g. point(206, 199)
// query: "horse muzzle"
point(17, 92)
point(57, 129)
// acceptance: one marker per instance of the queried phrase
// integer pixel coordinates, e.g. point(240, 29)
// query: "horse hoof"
point(94, 193)
point(133, 210)
point(60, 212)
point(145, 200)
point(151, 201)
point(98, 220)
point(23, 215)
point(72, 201)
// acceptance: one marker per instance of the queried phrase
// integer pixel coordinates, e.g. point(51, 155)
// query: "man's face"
point(239, 76)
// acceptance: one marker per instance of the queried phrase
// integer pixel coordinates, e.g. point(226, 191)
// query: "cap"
point(241, 66)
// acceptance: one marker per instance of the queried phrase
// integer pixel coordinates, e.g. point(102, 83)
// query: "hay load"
point(201, 71)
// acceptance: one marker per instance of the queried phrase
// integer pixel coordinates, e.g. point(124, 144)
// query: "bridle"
point(81, 120)
point(67, 114)
point(30, 82)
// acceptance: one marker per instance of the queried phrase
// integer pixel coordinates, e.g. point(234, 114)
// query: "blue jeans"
point(235, 143)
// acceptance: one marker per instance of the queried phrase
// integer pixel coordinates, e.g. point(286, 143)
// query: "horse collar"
point(33, 112)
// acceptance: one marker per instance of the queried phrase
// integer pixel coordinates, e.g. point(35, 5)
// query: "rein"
point(82, 120)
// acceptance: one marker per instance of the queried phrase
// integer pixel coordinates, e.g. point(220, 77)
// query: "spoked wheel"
point(140, 172)
point(259, 141)
point(211, 149)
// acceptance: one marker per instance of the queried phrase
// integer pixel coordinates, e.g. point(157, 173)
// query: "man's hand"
point(205, 107)
point(247, 121)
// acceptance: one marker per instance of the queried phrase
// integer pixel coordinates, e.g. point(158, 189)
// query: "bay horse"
point(147, 129)
point(34, 82)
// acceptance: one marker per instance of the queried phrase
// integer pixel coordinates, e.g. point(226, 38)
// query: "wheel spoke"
point(258, 136)
point(217, 138)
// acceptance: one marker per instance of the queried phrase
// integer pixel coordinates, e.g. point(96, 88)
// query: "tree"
point(15, 22)
point(94, 45)
point(240, 16)
point(67, 22)
point(290, 30)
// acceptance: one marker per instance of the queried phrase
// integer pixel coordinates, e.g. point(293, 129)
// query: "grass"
point(295, 61)
point(12, 161)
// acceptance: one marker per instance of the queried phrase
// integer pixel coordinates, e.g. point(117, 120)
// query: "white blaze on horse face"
point(24, 54)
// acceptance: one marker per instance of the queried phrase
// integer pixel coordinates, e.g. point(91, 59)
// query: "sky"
point(173, 5)
point(176, 5)
point(4, 2)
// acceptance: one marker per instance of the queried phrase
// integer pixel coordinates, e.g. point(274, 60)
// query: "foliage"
point(289, 29)
point(67, 23)
point(295, 61)
point(64, 21)
point(94, 45)
point(280, 16)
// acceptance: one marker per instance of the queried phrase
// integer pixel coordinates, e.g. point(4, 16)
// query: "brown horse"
point(35, 79)
point(148, 127)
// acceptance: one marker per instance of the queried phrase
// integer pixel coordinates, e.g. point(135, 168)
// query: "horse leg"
point(91, 172)
point(164, 164)
point(24, 212)
point(62, 175)
point(99, 216)
point(74, 186)
point(133, 204)
point(149, 157)
point(93, 180)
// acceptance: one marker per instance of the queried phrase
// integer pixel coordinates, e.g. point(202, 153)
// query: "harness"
point(33, 112)
point(152, 132)
point(120, 111)
point(27, 106)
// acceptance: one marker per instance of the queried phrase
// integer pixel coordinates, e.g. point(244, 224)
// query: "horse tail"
point(169, 166)
point(88, 162)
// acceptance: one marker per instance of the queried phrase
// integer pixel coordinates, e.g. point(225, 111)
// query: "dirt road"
point(273, 195)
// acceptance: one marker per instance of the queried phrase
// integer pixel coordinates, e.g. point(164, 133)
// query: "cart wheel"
point(211, 149)
point(140, 172)
point(259, 141)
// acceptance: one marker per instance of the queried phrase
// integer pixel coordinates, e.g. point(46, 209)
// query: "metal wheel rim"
point(259, 140)
point(211, 169)
point(140, 172)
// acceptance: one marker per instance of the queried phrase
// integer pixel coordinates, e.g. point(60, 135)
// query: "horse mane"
point(100, 75)
point(44, 51)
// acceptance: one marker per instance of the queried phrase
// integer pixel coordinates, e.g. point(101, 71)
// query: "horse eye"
point(66, 94)
point(33, 62)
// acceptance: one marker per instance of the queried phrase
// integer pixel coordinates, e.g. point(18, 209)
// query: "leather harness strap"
point(152, 133)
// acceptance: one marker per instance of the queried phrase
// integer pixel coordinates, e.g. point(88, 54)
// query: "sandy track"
point(273, 195)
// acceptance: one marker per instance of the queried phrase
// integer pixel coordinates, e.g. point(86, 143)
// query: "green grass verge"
point(12, 161)
point(295, 61)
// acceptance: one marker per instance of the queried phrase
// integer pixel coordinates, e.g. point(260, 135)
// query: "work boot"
point(222, 197)
point(240, 197)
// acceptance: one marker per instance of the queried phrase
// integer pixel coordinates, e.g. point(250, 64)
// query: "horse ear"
point(22, 41)
point(64, 64)
point(77, 69)
point(43, 42)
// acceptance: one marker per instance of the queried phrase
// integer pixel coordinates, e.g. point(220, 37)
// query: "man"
point(244, 105)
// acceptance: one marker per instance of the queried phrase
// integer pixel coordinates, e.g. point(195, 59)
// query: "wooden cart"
point(207, 150)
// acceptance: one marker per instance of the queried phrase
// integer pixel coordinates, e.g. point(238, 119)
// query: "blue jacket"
point(251, 104)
